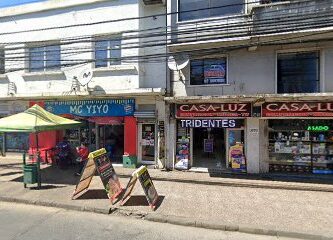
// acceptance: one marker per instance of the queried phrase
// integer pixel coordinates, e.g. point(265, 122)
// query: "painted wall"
point(252, 72)
point(128, 75)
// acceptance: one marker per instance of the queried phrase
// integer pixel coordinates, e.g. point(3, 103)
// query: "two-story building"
point(251, 86)
point(85, 60)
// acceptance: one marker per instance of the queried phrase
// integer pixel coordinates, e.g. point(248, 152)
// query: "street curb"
point(55, 205)
point(242, 184)
point(232, 228)
point(176, 220)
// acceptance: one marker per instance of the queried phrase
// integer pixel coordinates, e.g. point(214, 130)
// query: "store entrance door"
point(209, 148)
point(111, 137)
point(147, 136)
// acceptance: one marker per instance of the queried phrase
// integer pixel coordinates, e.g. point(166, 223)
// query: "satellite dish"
point(85, 76)
point(178, 62)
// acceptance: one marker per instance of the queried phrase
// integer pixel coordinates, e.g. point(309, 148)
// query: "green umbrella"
point(34, 120)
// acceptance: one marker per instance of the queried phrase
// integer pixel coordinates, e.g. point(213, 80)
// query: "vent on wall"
point(152, 2)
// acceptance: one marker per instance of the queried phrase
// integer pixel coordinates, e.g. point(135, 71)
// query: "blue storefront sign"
point(91, 108)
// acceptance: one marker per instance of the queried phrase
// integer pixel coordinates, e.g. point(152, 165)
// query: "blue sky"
point(8, 3)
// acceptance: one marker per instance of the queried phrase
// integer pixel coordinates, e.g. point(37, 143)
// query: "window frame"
point(212, 58)
point(211, 18)
point(109, 50)
point(2, 61)
point(321, 80)
point(45, 68)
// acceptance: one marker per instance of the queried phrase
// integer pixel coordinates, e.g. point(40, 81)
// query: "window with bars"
point(298, 72)
point(44, 58)
point(107, 52)
point(189, 9)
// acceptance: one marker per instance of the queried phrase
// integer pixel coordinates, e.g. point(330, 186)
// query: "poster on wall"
point(237, 158)
point(208, 145)
point(215, 72)
point(182, 154)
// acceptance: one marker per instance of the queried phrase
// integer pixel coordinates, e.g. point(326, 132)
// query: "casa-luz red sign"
point(298, 109)
point(214, 110)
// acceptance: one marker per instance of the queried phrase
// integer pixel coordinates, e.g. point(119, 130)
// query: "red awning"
point(107, 120)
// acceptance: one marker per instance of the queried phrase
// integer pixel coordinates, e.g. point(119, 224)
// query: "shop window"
point(298, 72)
point(301, 146)
point(208, 71)
point(2, 61)
point(107, 52)
point(44, 58)
point(189, 9)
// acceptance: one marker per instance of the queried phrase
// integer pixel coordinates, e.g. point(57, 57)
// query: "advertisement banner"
point(211, 123)
point(237, 158)
point(91, 108)
point(215, 72)
point(215, 110)
point(208, 145)
point(107, 173)
point(298, 109)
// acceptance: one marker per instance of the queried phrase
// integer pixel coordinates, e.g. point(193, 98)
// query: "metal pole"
point(38, 164)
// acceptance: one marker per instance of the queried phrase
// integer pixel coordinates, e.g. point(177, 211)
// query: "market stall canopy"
point(35, 119)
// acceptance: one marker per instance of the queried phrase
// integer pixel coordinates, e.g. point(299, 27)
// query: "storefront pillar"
point(171, 143)
point(256, 149)
point(130, 136)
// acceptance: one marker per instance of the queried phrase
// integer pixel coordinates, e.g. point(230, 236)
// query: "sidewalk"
point(241, 203)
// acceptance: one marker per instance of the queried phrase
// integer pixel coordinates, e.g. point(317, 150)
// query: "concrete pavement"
point(33, 222)
point(260, 210)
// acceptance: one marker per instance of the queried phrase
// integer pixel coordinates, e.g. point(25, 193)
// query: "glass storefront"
point(301, 146)
point(211, 144)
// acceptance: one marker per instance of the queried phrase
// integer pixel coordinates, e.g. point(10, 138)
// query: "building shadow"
point(10, 173)
point(45, 187)
point(278, 177)
point(54, 175)
point(93, 194)
point(141, 200)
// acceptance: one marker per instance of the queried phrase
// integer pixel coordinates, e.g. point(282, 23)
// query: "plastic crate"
point(129, 161)
point(30, 174)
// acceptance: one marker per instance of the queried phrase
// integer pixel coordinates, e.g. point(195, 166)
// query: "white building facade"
point(253, 88)
point(86, 60)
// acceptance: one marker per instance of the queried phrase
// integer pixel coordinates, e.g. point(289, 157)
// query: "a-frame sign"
point(143, 176)
point(99, 161)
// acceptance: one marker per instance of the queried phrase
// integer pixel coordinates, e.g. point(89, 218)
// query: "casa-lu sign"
point(298, 109)
point(214, 110)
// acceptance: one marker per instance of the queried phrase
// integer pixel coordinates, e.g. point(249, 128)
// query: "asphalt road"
point(26, 222)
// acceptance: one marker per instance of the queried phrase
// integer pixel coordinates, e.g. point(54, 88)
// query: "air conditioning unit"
point(153, 2)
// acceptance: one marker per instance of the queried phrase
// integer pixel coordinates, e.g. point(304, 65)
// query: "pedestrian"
point(83, 153)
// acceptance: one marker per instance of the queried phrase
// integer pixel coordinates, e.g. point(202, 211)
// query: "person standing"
point(83, 153)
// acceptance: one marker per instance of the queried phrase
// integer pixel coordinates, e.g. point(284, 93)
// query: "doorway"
point(209, 148)
point(111, 137)
point(147, 142)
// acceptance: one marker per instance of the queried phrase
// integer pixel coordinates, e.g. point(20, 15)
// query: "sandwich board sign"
point(144, 178)
point(99, 161)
